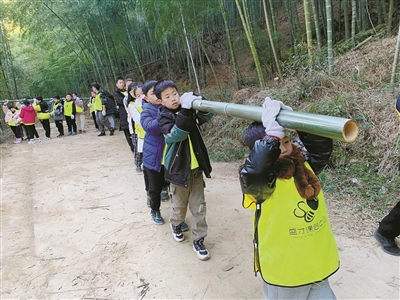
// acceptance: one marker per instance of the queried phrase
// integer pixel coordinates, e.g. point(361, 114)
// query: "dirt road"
point(75, 225)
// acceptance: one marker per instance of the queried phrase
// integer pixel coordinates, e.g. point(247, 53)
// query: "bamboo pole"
point(332, 127)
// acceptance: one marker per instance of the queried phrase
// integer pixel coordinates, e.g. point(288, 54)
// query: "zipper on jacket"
point(255, 239)
point(176, 156)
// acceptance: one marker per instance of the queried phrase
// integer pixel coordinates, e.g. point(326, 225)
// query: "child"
point(100, 108)
point(28, 116)
point(185, 160)
point(58, 115)
point(70, 113)
point(135, 110)
point(42, 111)
point(294, 247)
point(153, 148)
point(11, 118)
point(80, 113)
point(91, 105)
point(389, 227)
point(130, 104)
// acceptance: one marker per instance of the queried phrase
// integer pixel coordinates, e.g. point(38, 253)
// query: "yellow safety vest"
point(68, 108)
point(293, 241)
point(138, 129)
point(41, 115)
point(98, 104)
point(11, 123)
point(79, 109)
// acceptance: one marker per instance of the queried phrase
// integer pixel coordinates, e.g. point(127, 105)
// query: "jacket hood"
point(29, 108)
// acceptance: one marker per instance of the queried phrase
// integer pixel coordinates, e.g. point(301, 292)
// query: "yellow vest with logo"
point(41, 115)
point(293, 241)
point(68, 108)
point(79, 109)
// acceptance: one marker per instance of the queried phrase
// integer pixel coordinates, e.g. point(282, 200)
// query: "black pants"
point(71, 124)
point(156, 182)
point(60, 127)
point(17, 131)
point(389, 227)
point(46, 127)
point(94, 119)
point(31, 129)
point(128, 139)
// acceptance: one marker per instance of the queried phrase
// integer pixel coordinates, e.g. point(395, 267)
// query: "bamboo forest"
point(53, 46)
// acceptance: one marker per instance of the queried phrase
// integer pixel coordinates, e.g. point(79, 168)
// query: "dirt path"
point(74, 224)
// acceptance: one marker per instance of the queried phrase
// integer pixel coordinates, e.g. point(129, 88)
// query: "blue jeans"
point(111, 119)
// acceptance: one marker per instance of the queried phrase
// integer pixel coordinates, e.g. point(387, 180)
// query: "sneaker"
point(32, 141)
point(69, 133)
point(202, 252)
point(47, 138)
point(37, 140)
point(164, 194)
point(60, 135)
point(74, 133)
point(139, 169)
point(184, 226)
point(102, 134)
point(96, 130)
point(112, 131)
point(18, 141)
point(148, 199)
point(156, 217)
point(177, 233)
point(388, 245)
point(79, 131)
point(83, 131)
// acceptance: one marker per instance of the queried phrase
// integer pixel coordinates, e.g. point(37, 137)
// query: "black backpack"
point(111, 107)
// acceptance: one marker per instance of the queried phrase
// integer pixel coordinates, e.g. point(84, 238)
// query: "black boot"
point(102, 133)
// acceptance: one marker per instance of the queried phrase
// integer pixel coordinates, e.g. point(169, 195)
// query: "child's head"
point(92, 94)
point(128, 81)
point(148, 92)
point(39, 99)
point(167, 92)
point(137, 91)
point(56, 98)
point(256, 131)
point(68, 97)
point(120, 83)
point(74, 95)
point(26, 102)
point(95, 87)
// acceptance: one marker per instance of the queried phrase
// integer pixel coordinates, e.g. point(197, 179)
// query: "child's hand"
point(187, 100)
point(271, 109)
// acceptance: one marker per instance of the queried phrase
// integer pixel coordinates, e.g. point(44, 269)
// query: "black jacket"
point(176, 128)
point(257, 175)
point(123, 116)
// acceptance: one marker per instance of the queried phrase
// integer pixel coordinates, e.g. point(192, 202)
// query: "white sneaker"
point(31, 141)
point(37, 141)
point(47, 138)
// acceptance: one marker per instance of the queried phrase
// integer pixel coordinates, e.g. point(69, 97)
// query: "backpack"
point(110, 104)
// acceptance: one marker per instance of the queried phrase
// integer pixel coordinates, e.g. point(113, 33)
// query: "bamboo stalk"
point(332, 127)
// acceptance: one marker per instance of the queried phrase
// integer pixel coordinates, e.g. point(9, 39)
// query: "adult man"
point(100, 107)
point(119, 95)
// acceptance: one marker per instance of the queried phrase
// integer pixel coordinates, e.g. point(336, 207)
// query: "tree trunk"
point(230, 44)
point(246, 26)
point(271, 39)
point(316, 23)
point(390, 17)
point(329, 35)
point(353, 22)
point(346, 19)
point(308, 30)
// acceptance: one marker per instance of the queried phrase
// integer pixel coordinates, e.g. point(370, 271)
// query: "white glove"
point(187, 100)
point(72, 117)
point(5, 102)
point(271, 109)
point(117, 106)
point(34, 100)
point(103, 112)
point(52, 114)
point(89, 104)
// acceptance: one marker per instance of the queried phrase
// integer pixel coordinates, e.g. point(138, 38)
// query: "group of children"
point(21, 117)
point(294, 248)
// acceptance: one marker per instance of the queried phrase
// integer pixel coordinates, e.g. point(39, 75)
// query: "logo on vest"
point(305, 210)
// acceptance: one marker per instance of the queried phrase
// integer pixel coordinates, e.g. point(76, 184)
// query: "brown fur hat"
point(306, 182)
